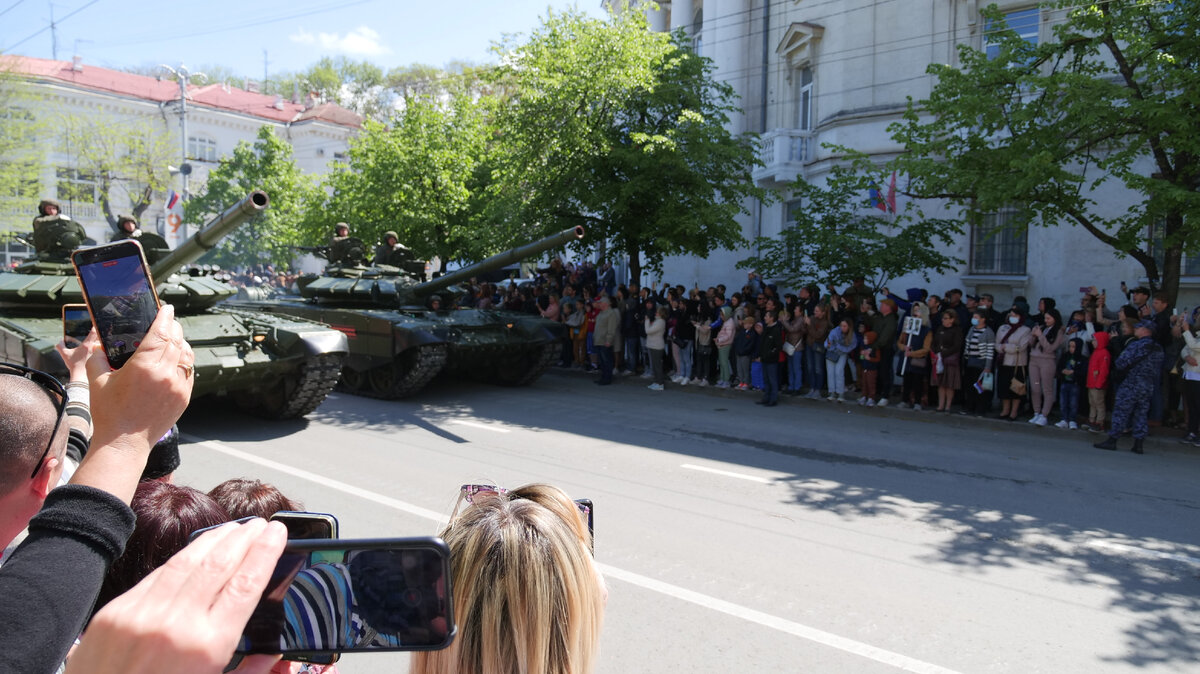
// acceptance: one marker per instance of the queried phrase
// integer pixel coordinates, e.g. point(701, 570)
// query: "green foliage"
point(128, 157)
point(623, 130)
point(838, 236)
point(421, 177)
point(357, 85)
point(1109, 105)
point(266, 164)
point(20, 156)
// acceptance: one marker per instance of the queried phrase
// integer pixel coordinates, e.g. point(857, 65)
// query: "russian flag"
point(172, 199)
point(885, 203)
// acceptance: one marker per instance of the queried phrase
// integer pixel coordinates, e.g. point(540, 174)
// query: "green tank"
point(274, 366)
point(399, 341)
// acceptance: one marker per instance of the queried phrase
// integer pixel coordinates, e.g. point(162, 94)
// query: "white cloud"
point(362, 41)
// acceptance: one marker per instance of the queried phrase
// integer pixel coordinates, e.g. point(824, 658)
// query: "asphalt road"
point(810, 537)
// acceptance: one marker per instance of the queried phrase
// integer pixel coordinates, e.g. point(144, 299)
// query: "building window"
point(74, 186)
point(698, 31)
point(804, 100)
point(202, 148)
point(791, 213)
point(1189, 264)
point(25, 185)
point(998, 246)
point(1024, 22)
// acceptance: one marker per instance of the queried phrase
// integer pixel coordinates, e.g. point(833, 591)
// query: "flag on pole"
point(885, 203)
point(174, 218)
point(172, 199)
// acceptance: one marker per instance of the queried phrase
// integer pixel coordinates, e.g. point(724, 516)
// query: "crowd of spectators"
point(1103, 367)
point(98, 574)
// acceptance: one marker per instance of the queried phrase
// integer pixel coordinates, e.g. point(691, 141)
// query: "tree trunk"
point(1172, 267)
point(635, 267)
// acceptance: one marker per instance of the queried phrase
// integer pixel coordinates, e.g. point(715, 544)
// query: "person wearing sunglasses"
point(527, 593)
point(49, 583)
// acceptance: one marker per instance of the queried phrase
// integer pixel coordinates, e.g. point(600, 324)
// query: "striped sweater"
point(980, 348)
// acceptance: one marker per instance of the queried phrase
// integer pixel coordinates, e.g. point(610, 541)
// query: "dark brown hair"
point(251, 498)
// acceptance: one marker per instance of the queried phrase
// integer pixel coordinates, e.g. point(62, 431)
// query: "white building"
point(812, 72)
point(219, 116)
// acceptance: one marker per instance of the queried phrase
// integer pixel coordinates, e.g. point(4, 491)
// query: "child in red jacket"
point(1099, 365)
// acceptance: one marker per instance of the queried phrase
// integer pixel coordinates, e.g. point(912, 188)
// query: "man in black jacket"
point(769, 346)
point(50, 582)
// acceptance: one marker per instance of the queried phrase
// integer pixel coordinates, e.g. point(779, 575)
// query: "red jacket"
point(1099, 363)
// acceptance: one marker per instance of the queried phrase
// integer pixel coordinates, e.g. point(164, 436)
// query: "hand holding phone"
point(120, 296)
point(77, 323)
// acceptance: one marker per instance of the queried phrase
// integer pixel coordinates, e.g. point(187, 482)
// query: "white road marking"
point(890, 658)
point(1143, 552)
point(486, 427)
point(726, 473)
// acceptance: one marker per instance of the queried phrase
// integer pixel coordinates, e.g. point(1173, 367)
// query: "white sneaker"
point(917, 407)
point(1040, 421)
point(701, 382)
point(882, 403)
point(861, 401)
point(1073, 426)
point(722, 384)
point(1035, 418)
point(1062, 424)
point(901, 405)
point(655, 387)
point(647, 375)
point(841, 398)
point(682, 381)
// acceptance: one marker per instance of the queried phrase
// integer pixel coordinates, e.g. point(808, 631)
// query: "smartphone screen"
point(120, 296)
point(306, 525)
point(344, 596)
point(77, 323)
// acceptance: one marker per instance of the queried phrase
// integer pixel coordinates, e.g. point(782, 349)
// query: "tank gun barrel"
point(500, 260)
point(216, 229)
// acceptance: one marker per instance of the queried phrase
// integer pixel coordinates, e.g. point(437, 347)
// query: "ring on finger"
point(187, 369)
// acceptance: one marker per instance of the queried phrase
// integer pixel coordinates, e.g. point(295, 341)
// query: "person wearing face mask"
point(979, 354)
point(1012, 349)
point(993, 318)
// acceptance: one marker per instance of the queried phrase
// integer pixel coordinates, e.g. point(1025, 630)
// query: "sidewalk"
point(1161, 439)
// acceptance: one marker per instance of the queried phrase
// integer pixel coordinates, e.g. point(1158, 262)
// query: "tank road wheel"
point(407, 374)
point(298, 394)
point(525, 367)
point(353, 381)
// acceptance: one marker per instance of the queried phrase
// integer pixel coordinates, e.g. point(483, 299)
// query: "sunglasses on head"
point(468, 492)
point(50, 385)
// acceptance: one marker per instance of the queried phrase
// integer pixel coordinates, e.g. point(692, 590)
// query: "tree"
point(357, 85)
point(266, 164)
point(421, 177)
point(127, 157)
point(838, 236)
point(623, 130)
point(1108, 105)
point(20, 129)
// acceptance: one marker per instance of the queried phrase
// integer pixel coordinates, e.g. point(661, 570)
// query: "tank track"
point(539, 362)
point(409, 373)
point(318, 375)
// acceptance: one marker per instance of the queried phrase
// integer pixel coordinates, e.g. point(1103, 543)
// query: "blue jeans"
point(1068, 400)
point(684, 366)
point(836, 374)
point(632, 351)
point(814, 366)
point(605, 354)
point(770, 382)
point(795, 370)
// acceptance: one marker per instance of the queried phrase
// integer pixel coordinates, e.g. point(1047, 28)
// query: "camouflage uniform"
point(1142, 362)
point(55, 236)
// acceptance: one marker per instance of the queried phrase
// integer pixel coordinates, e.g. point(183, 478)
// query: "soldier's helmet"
point(391, 234)
point(340, 226)
point(48, 202)
point(121, 220)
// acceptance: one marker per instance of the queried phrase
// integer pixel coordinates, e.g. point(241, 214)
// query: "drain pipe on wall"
point(762, 117)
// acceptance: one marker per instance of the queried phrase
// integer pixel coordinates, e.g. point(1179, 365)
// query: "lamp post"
point(183, 76)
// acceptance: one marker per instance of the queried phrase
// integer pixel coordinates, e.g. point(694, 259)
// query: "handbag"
point(789, 348)
point(1018, 386)
point(939, 365)
point(833, 355)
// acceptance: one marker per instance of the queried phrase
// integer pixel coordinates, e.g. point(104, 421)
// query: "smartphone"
point(591, 514)
point(1084, 289)
point(119, 294)
point(353, 596)
point(306, 525)
point(77, 323)
point(199, 532)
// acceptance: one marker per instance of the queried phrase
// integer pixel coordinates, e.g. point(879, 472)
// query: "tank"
point(274, 366)
point(399, 341)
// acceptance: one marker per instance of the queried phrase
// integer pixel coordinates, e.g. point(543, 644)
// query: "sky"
point(294, 34)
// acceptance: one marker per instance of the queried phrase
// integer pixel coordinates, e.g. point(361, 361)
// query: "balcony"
point(783, 153)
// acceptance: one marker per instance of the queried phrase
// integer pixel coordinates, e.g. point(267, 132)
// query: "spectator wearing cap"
point(1140, 363)
point(1140, 298)
point(954, 300)
point(608, 332)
